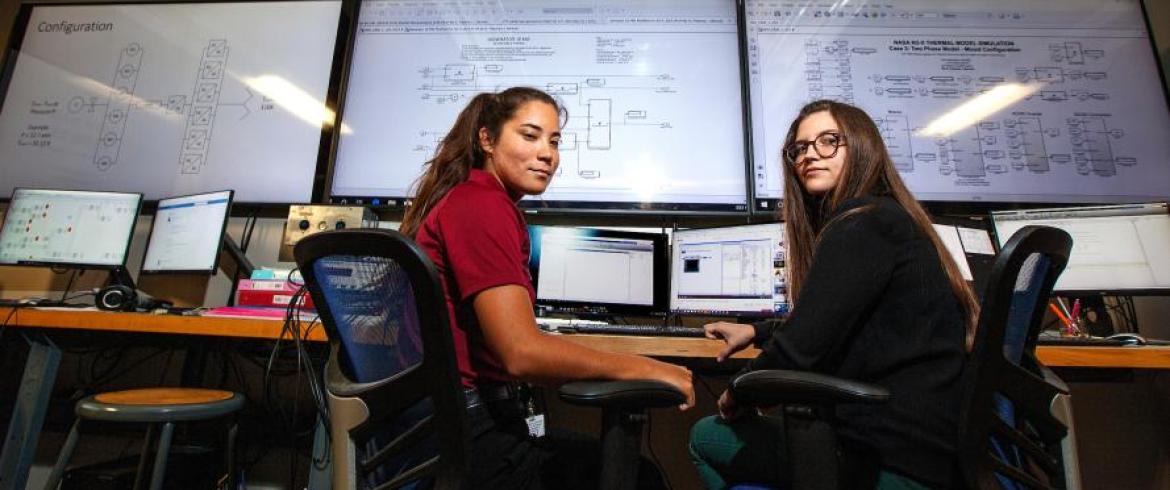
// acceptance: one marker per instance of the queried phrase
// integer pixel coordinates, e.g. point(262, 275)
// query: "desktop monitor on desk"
point(587, 271)
point(187, 233)
point(86, 229)
point(1123, 249)
point(733, 271)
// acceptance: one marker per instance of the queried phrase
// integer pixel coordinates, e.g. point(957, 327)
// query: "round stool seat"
point(159, 405)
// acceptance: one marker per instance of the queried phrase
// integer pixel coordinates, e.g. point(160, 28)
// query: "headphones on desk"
point(120, 297)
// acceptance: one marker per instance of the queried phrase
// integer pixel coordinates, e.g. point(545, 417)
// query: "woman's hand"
point(728, 408)
point(736, 335)
point(677, 376)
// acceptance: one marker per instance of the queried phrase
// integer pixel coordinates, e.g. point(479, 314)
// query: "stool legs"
point(63, 458)
point(231, 455)
point(160, 459)
point(140, 473)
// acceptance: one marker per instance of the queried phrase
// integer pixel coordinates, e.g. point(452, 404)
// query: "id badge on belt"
point(534, 420)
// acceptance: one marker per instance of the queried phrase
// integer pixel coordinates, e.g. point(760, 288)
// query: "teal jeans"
point(749, 450)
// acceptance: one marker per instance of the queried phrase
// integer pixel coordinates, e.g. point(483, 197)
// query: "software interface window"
point(578, 267)
point(1115, 248)
point(733, 270)
point(187, 232)
point(68, 227)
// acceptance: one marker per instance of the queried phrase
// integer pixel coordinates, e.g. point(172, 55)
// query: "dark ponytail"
point(460, 150)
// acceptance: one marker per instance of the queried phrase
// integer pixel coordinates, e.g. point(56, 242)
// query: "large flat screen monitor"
point(598, 272)
point(729, 271)
point(68, 228)
point(652, 88)
point(170, 99)
point(1121, 249)
point(985, 100)
point(187, 233)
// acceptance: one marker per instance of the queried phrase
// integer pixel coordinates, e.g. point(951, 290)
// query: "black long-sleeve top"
point(876, 306)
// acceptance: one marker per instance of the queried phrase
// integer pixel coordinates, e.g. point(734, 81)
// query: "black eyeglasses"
point(825, 144)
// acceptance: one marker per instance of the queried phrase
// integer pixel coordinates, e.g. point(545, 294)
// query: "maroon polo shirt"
point(477, 238)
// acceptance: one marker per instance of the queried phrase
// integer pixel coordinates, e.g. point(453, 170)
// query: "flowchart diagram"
point(589, 101)
point(1040, 114)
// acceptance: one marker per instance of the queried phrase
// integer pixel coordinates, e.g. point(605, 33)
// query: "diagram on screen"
point(1063, 121)
point(596, 107)
point(199, 108)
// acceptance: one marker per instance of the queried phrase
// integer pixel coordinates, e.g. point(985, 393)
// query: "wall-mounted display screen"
point(170, 99)
point(652, 88)
point(988, 100)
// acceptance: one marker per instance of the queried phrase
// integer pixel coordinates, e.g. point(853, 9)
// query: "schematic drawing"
point(1061, 123)
point(199, 109)
point(594, 109)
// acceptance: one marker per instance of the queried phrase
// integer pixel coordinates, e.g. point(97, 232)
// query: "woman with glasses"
point(876, 298)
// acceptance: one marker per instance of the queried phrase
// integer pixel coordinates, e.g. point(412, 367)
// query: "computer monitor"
point(86, 229)
point(1123, 249)
point(653, 91)
point(978, 100)
point(173, 98)
point(187, 233)
point(733, 271)
point(598, 272)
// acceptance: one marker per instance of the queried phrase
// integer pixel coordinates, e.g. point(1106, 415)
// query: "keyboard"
point(645, 330)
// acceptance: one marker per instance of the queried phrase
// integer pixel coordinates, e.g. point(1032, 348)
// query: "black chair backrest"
point(382, 306)
point(1007, 434)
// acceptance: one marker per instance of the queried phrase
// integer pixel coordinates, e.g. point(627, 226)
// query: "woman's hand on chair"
point(737, 336)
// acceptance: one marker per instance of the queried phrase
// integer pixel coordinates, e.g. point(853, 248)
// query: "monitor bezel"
point(593, 308)
point(346, 23)
point(77, 265)
point(227, 214)
point(753, 314)
point(562, 207)
point(1074, 293)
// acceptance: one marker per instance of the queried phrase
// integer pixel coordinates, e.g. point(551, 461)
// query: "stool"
point(152, 406)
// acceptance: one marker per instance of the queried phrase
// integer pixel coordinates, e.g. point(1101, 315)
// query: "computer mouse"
point(1128, 338)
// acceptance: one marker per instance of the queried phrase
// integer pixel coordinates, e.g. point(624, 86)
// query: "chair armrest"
point(640, 393)
point(774, 387)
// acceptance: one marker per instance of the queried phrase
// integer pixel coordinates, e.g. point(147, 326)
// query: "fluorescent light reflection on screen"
point(294, 100)
point(970, 113)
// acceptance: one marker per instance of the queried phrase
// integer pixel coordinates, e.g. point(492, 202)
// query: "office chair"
point(396, 404)
point(1009, 435)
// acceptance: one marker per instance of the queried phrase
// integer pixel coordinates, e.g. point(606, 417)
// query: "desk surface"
point(1147, 357)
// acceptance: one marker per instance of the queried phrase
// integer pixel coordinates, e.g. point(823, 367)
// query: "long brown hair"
point(868, 171)
point(460, 150)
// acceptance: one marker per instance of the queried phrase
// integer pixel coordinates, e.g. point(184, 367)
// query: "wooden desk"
point(1147, 357)
point(147, 323)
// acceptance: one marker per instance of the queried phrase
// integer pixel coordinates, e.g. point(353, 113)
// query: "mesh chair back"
point(1008, 438)
point(380, 301)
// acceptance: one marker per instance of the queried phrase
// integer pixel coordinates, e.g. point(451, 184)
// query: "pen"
point(1059, 315)
point(1076, 310)
point(1064, 308)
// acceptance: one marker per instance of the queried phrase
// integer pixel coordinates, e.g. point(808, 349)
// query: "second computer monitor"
point(733, 271)
point(187, 233)
point(593, 271)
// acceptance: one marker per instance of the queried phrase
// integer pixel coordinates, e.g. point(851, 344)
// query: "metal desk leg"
point(321, 463)
point(28, 416)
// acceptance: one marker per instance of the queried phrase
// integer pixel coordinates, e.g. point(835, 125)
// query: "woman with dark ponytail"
point(877, 298)
point(503, 147)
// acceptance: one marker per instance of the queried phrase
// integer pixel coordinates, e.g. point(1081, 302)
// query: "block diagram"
point(598, 105)
point(199, 108)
